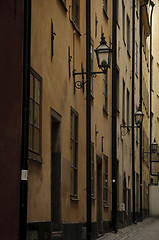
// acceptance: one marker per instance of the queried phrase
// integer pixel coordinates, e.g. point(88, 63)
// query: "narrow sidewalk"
point(127, 232)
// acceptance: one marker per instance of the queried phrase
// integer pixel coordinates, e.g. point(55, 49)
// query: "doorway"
point(55, 171)
point(99, 195)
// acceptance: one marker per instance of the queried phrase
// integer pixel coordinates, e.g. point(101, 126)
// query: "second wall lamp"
point(138, 120)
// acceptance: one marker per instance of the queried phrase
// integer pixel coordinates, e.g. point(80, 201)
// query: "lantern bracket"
point(80, 84)
point(124, 129)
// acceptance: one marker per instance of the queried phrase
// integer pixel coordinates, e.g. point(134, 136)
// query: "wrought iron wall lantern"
point(138, 120)
point(103, 54)
point(154, 146)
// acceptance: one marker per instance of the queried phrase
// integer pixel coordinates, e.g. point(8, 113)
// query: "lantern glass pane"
point(138, 118)
point(103, 58)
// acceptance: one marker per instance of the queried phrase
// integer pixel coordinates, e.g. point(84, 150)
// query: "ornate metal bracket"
point(52, 39)
point(126, 129)
point(80, 84)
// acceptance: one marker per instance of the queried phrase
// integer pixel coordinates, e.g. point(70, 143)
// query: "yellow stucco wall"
point(58, 94)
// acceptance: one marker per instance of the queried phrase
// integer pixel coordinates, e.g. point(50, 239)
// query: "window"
point(128, 34)
point(124, 193)
point(92, 52)
point(92, 169)
point(123, 19)
point(105, 180)
point(76, 12)
point(117, 11)
point(105, 6)
point(117, 89)
point(105, 106)
point(128, 107)
point(35, 116)
point(123, 105)
point(137, 192)
point(137, 8)
point(136, 59)
point(74, 153)
point(96, 23)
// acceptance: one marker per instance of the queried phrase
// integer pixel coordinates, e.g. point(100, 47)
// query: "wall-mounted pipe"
point(25, 121)
point(152, 5)
point(133, 77)
point(114, 119)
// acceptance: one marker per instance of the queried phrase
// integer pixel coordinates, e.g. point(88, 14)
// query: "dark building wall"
point(11, 55)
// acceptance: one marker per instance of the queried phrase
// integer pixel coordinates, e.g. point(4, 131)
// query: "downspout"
point(88, 114)
point(141, 111)
point(133, 68)
point(25, 121)
point(152, 4)
point(141, 151)
point(114, 121)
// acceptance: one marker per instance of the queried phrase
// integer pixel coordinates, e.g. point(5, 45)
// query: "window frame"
point(91, 67)
point(75, 5)
point(105, 7)
point(128, 105)
point(128, 35)
point(123, 102)
point(123, 20)
point(136, 63)
point(105, 181)
point(92, 172)
point(32, 153)
point(74, 162)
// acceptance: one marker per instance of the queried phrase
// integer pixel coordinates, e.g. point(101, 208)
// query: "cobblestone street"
point(147, 230)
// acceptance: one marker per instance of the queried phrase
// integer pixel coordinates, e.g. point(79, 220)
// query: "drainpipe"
point(141, 151)
point(88, 115)
point(152, 5)
point(25, 121)
point(114, 121)
point(133, 71)
point(141, 111)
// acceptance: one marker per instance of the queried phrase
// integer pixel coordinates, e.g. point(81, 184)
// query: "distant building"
point(128, 188)
point(155, 88)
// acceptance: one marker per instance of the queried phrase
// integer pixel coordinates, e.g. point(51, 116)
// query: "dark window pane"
point(36, 115)
point(31, 86)
point(75, 181)
point(30, 137)
point(74, 153)
point(31, 111)
point(37, 91)
point(36, 140)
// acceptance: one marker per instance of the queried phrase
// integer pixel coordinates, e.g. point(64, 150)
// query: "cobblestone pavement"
point(146, 230)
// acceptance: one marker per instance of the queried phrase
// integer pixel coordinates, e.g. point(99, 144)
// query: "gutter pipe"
point(152, 4)
point(114, 119)
point(25, 121)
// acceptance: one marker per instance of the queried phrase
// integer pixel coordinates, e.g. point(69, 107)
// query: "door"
point(55, 173)
point(99, 195)
point(129, 205)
